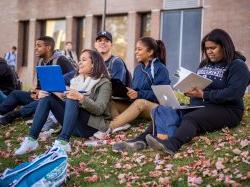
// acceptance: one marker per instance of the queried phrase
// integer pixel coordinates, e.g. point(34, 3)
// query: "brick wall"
point(231, 15)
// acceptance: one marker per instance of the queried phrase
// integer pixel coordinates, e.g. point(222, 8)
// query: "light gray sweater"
point(98, 104)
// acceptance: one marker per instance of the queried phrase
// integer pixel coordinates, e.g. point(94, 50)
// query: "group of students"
point(85, 114)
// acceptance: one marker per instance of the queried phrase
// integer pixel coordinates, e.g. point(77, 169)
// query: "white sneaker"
point(121, 128)
point(100, 135)
point(28, 145)
point(63, 145)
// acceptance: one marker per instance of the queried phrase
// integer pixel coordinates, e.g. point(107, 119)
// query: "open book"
point(189, 80)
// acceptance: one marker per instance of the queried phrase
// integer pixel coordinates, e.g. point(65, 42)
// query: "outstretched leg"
point(139, 107)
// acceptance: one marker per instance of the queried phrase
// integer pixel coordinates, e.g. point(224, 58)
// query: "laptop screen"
point(51, 78)
point(165, 95)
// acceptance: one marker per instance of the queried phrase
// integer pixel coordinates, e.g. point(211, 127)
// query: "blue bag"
point(165, 120)
point(46, 170)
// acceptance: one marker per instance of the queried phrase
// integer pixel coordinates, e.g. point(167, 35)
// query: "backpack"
point(57, 55)
point(7, 56)
point(128, 78)
point(74, 63)
point(47, 170)
point(165, 120)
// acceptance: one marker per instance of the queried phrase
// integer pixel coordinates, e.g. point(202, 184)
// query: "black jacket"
point(7, 78)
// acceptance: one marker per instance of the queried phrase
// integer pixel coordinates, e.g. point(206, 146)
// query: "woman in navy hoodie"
point(223, 99)
point(151, 70)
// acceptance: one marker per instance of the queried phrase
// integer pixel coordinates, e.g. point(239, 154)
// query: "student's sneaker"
point(29, 122)
point(63, 145)
point(129, 146)
point(121, 128)
point(100, 135)
point(49, 124)
point(29, 144)
point(94, 143)
point(159, 145)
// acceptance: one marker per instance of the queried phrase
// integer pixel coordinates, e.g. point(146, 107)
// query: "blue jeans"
point(72, 118)
point(17, 98)
point(2, 97)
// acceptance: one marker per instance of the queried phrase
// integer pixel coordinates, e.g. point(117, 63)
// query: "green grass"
point(148, 167)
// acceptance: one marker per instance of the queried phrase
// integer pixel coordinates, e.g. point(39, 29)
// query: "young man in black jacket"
point(44, 49)
point(7, 79)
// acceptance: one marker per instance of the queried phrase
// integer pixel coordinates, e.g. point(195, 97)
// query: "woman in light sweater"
point(80, 114)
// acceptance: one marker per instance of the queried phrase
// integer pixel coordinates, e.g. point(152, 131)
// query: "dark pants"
point(2, 96)
point(199, 121)
point(73, 119)
point(19, 98)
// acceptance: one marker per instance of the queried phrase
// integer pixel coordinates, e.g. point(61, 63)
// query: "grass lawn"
point(216, 159)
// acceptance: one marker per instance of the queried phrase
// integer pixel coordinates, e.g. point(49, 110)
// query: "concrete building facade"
point(23, 21)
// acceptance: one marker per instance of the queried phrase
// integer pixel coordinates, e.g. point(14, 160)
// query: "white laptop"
point(166, 96)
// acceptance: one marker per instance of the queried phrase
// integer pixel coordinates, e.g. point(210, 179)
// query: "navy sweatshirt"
point(229, 83)
point(155, 73)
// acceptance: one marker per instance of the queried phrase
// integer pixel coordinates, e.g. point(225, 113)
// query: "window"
point(146, 24)
point(24, 42)
point(181, 32)
point(117, 25)
point(80, 35)
point(57, 30)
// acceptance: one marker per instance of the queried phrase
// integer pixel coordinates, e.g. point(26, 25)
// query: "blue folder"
point(51, 78)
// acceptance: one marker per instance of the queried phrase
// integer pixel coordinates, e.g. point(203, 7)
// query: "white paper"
point(190, 81)
point(182, 73)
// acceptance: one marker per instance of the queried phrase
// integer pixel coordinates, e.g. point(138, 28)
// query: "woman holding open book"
point(151, 70)
point(82, 111)
point(222, 99)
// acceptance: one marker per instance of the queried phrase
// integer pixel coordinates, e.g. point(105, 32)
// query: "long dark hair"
point(99, 68)
point(158, 47)
point(223, 39)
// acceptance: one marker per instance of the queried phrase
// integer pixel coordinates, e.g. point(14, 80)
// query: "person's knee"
point(71, 101)
point(46, 99)
point(140, 104)
point(71, 104)
point(16, 93)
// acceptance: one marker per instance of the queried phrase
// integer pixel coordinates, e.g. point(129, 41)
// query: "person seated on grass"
point(45, 50)
point(80, 114)
point(151, 55)
point(7, 80)
point(222, 100)
point(115, 65)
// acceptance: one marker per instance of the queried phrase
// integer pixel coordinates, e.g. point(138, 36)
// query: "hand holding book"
point(194, 92)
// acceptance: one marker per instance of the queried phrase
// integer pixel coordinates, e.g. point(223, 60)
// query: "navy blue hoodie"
point(230, 81)
point(155, 73)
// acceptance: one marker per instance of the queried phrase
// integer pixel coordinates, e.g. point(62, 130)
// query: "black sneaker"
point(129, 146)
point(135, 144)
point(157, 144)
point(9, 117)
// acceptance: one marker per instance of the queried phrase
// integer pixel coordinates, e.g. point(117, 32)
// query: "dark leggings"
point(199, 121)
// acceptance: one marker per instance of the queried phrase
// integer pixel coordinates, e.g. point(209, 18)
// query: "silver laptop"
point(166, 96)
